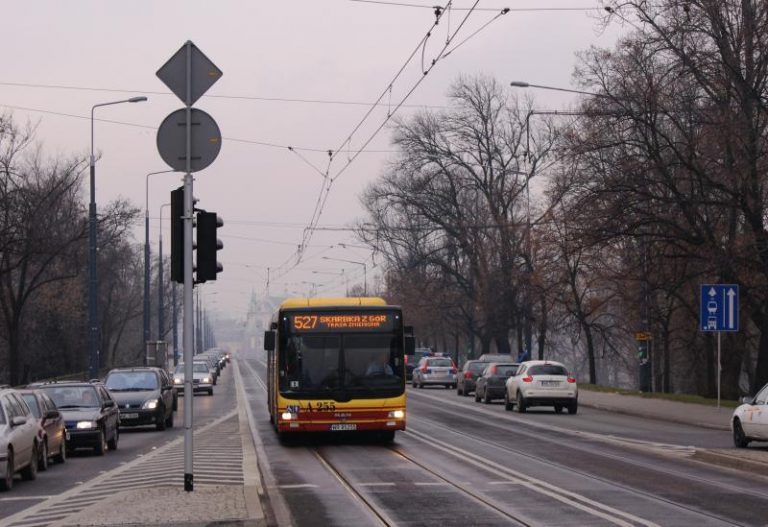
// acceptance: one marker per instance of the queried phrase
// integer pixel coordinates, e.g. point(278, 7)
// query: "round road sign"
point(172, 140)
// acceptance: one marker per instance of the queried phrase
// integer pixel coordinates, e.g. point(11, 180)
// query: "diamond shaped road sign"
point(174, 73)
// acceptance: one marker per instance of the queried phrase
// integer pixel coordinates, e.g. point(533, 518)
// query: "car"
point(18, 439)
point(541, 383)
point(52, 434)
point(90, 414)
point(491, 382)
point(144, 396)
point(496, 357)
point(465, 381)
point(749, 421)
point(213, 366)
point(434, 370)
point(202, 380)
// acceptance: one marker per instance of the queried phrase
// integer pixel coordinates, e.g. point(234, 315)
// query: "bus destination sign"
point(349, 321)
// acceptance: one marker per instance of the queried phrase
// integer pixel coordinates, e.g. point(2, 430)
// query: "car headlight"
point(150, 405)
point(86, 425)
point(397, 414)
point(206, 380)
point(178, 380)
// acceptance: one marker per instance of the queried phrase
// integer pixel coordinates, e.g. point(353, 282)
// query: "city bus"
point(337, 364)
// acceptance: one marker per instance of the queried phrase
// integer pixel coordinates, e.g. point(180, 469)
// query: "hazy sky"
point(319, 50)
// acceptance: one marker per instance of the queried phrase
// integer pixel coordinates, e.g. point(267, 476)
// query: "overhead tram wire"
point(439, 56)
point(516, 9)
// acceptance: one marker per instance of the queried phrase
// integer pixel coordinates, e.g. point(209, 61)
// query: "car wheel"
point(169, 421)
point(558, 408)
point(520, 403)
point(30, 471)
point(573, 407)
point(413, 383)
point(459, 391)
point(486, 397)
point(508, 406)
point(740, 439)
point(477, 396)
point(10, 469)
point(160, 419)
point(387, 436)
point(112, 443)
point(175, 402)
point(42, 463)
point(61, 457)
point(101, 446)
point(210, 391)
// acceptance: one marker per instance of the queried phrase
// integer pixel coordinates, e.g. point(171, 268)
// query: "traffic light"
point(177, 235)
point(207, 246)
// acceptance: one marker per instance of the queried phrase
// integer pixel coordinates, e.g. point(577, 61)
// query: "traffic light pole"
point(189, 313)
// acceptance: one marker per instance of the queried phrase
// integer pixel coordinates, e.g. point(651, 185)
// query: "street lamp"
point(521, 84)
point(147, 330)
point(365, 271)
point(93, 324)
point(161, 291)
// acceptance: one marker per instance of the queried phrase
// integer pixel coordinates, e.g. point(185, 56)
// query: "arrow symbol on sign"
point(731, 308)
point(712, 292)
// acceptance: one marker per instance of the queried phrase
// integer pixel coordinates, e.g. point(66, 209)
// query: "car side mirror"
point(748, 400)
point(52, 414)
point(109, 404)
point(18, 420)
point(269, 341)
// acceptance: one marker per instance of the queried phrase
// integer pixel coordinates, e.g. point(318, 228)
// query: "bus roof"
point(330, 302)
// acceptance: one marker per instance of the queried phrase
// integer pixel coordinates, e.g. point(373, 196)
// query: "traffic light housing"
point(177, 235)
point(207, 246)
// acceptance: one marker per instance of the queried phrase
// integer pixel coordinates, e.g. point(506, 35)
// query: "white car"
point(749, 421)
point(18, 439)
point(541, 383)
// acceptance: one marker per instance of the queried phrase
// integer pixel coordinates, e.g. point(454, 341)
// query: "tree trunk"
point(542, 338)
point(761, 371)
point(590, 353)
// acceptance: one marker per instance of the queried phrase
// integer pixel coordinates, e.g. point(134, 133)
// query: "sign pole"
point(718, 369)
point(188, 284)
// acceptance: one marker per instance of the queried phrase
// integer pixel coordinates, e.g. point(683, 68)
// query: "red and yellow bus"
point(337, 364)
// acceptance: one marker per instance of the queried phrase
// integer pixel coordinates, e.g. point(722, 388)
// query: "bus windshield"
point(342, 365)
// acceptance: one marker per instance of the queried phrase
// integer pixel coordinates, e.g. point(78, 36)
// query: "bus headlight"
point(287, 416)
point(397, 414)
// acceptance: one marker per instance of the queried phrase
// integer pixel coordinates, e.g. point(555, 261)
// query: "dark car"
point(53, 432)
point(492, 382)
point(90, 414)
point(465, 383)
point(144, 396)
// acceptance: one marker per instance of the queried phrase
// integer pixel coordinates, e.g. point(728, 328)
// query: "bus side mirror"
point(269, 341)
point(410, 344)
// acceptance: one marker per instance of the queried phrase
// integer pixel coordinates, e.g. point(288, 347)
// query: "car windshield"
point(505, 370)
point(547, 369)
point(131, 381)
point(200, 367)
point(73, 396)
point(440, 362)
point(477, 367)
point(356, 364)
point(2, 415)
point(31, 401)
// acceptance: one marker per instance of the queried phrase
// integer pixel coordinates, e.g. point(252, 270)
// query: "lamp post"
point(93, 283)
point(160, 283)
point(365, 271)
point(147, 330)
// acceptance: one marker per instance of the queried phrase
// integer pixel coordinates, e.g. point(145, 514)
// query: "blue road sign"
point(719, 307)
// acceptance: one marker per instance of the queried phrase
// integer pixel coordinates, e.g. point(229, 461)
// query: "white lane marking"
point(296, 486)
point(430, 484)
point(378, 484)
point(20, 498)
point(623, 441)
point(504, 482)
point(593, 507)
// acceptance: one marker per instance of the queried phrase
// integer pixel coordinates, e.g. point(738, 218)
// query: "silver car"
point(18, 439)
point(434, 370)
point(202, 379)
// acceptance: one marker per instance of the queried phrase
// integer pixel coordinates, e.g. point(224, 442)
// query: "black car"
point(465, 382)
point(144, 396)
point(90, 414)
point(492, 384)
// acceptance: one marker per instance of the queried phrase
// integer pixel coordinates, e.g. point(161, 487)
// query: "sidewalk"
point(754, 459)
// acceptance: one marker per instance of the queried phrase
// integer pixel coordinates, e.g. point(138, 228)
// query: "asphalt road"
point(464, 463)
point(134, 442)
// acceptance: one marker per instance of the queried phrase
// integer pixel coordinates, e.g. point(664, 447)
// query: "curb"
point(726, 460)
point(648, 415)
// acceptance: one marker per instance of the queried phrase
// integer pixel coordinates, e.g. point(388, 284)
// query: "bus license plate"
point(343, 427)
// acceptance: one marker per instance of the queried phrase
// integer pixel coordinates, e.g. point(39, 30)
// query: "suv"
point(145, 396)
point(18, 439)
point(90, 414)
point(541, 383)
point(434, 370)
